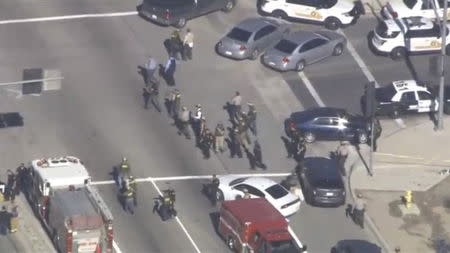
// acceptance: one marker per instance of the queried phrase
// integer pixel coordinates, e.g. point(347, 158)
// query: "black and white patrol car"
point(399, 37)
point(402, 97)
point(412, 8)
point(333, 13)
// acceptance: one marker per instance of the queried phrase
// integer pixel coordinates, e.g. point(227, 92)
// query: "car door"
point(311, 51)
point(409, 100)
point(323, 127)
point(264, 37)
point(300, 8)
point(423, 39)
point(426, 102)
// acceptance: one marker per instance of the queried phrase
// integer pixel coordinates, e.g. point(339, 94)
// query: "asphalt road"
point(98, 114)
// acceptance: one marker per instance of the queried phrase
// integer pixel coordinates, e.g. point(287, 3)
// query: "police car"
point(399, 37)
point(401, 97)
point(412, 8)
point(333, 13)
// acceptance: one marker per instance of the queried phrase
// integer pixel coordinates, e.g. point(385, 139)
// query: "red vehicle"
point(254, 225)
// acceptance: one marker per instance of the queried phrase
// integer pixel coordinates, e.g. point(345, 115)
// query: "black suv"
point(321, 182)
point(327, 123)
point(177, 12)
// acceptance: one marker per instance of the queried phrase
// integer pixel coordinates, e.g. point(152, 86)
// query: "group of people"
point(295, 145)
point(127, 185)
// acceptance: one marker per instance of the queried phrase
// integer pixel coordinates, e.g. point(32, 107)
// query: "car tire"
point(300, 66)
point(219, 195)
point(279, 14)
point(398, 53)
point(231, 243)
point(338, 49)
point(362, 138)
point(310, 137)
point(447, 50)
point(332, 23)
point(229, 6)
point(180, 23)
point(254, 55)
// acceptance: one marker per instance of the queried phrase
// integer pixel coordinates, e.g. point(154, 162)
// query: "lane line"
point(291, 231)
point(359, 60)
point(57, 18)
point(400, 123)
point(311, 89)
point(156, 179)
point(116, 247)
point(400, 156)
point(179, 221)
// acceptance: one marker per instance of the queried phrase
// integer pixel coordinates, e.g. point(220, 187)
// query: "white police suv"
point(412, 8)
point(401, 97)
point(333, 13)
point(399, 37)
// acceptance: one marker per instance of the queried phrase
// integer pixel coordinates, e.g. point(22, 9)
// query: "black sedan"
point(349, 246)
point(177, 12)
point(327, 123)
point(322, 183)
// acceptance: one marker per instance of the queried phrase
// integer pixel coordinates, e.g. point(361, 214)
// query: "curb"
point(373, 228)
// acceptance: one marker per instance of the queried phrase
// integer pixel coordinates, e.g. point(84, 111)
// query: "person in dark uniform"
point(168, 71)
point(133, 185)
point(176, 44)
point(258, 155)
point(300, 151)
point(5, 218)
point(251, 118)
point(376, 132)
point(184, 122)
point(146, 95)
point(128, 199)
point(359, 210)
point(235, 143)
point(215, 182)
point(176, 104)
point(20, 175)
point(206, 141)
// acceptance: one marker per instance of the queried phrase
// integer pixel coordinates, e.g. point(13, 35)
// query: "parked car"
point(302, 48)
point(400, 37)
point(400, 97)
point(412, 8)
point(328, 123)
point(251, 37)
point(178, 12)
point(322, 183)
point(349, 246)
point(333, 13)
point(232, 187)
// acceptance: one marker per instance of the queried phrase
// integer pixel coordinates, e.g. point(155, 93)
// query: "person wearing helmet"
point(133, 186)
point(124, 171)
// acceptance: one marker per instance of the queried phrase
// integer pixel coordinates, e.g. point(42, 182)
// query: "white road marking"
point(179, 222)
point(400, 156)
point(291, 231)
point(311, 89)
point(359, 60)
point(80, 16)
point(400, 123)
point(156, 179)
point(116, 247)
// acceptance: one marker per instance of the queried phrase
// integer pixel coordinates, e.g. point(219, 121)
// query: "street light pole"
point(440, 124)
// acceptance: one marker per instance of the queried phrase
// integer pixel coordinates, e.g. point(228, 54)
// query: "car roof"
point(261, 183)
point(300, 37)
point(254, 24)
point(321, 168)
point(403, 85)
point(317, 112)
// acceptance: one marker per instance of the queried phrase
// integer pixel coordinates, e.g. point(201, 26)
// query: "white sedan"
point(232, 187)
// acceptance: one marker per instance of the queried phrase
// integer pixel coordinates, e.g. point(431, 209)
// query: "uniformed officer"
point(219, 135)
point(124, 172)
point(359, 210)
point(176, 103)
point(235, 143)
point(196, 117)
point(251, 118)
point(184, 122)
point(258, 155)
point(214, 189)
point(376, 132)
point(128, 202)
point(176, 44)
point(207, 139)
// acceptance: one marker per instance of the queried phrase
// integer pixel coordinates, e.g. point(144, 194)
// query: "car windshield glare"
point(286, 46)
point(277, 191)
point(239, 34)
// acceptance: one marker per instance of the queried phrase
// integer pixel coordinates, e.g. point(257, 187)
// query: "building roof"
point(61, 172)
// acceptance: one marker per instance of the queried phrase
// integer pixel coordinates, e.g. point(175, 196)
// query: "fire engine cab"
point(71, 210)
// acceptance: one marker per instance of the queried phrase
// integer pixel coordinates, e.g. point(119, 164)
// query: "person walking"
point(235, 143)
point(215, 182)
point(188, 44)
point(4, 221)
point(243, 139)
point(196, 117)
point(169, 71)
point(219, 134)
point(235, 106)
point(184, 122)
point(10, 183)
point(150, 67)
point(258, 155)
point(359, 210)
point(207, 140)
point(300, 148)
point(176, 44)
point(128, 199)
point(342, 154)
point(251, 118)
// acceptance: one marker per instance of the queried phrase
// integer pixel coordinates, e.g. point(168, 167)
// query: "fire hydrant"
point(408, 198)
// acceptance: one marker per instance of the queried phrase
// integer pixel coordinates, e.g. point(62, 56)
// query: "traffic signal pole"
point(440, 125)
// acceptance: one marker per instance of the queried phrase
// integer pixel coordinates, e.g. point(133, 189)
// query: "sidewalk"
point(407, 159)
point(30, 237)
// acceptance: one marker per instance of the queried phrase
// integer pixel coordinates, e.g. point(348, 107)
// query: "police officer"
point(359, 210)
point(176, 44)
point(251, 118)
point(124, 171)
point(176, 103)
point(207, 139)
point(258, 155)
point(196, 117)
point(214, 189)
point(128, 199)
point(184, 122)
point(219, 135)
point(235, 143)
point(376, 132)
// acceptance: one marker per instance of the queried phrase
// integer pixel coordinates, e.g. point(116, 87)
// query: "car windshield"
point(383, 31)
point(286, 46)
point(239, 34)
point(410, 3)
point(283, 247)
point(385, 94)
point(277, 191)
point(237, 181)
point(327, 183)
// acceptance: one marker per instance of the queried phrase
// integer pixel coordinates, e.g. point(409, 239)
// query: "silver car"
point(302, 48)
point(251, 37)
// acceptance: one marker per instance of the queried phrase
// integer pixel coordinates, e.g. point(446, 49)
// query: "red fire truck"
point(72, 211)
point(254, 225)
